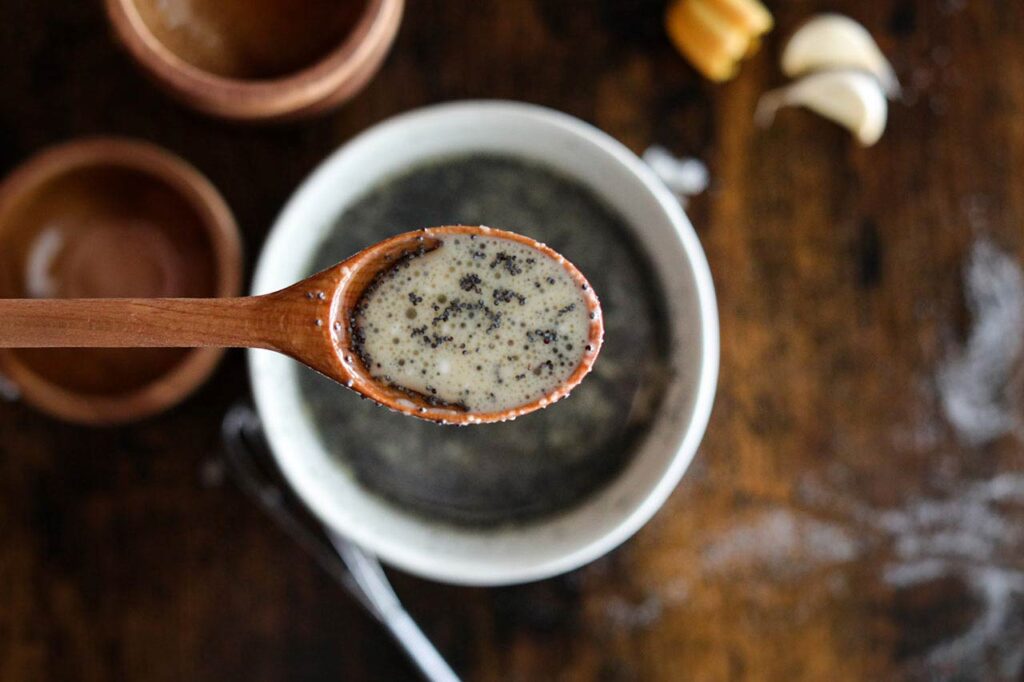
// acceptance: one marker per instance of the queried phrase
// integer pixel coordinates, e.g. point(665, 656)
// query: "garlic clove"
point(711, 44)
point(830, 41)
point(853, 99)
point(719, 33)
point(749, 16)
point(715, 35)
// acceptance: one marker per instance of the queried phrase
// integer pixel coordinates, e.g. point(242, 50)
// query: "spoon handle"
point(252, 322)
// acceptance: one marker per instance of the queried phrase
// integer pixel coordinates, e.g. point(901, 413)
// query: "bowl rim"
point(216, 218)
point(335, 76)
point(683, 449)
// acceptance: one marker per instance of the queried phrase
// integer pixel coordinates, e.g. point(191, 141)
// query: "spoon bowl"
point(352, 277)
point(310, 321)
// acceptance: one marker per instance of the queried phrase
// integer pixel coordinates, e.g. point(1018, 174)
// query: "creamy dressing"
point(480, 322)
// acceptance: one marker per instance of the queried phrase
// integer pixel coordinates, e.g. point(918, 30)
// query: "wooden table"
point(833, 526)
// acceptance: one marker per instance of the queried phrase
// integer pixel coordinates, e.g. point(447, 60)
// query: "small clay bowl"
point(256, 60)
point(105, 218)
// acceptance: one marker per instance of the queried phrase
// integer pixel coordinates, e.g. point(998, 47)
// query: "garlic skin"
point(853, 99)
point(831, 41)
point(684, 176)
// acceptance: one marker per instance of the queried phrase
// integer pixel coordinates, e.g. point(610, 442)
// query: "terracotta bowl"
point(104, 218)
point(258, 59)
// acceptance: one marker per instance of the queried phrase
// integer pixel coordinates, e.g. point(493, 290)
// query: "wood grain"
point(839, 279)
point(140, 323)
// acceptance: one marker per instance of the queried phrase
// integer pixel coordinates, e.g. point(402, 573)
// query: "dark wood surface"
point(832, 527)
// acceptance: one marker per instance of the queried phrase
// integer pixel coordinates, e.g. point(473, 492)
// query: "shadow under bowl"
point(258, 59)
point(111, 218)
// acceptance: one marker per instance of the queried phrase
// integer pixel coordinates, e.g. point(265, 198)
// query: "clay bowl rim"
point(219, 224)
point(363, 48)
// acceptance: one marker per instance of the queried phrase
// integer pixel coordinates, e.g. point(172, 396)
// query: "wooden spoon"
point(308, 321)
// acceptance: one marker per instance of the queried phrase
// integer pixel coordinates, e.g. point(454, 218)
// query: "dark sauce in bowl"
point(543, 462)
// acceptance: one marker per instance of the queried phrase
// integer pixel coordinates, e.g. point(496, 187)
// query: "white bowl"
point(568, 539)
